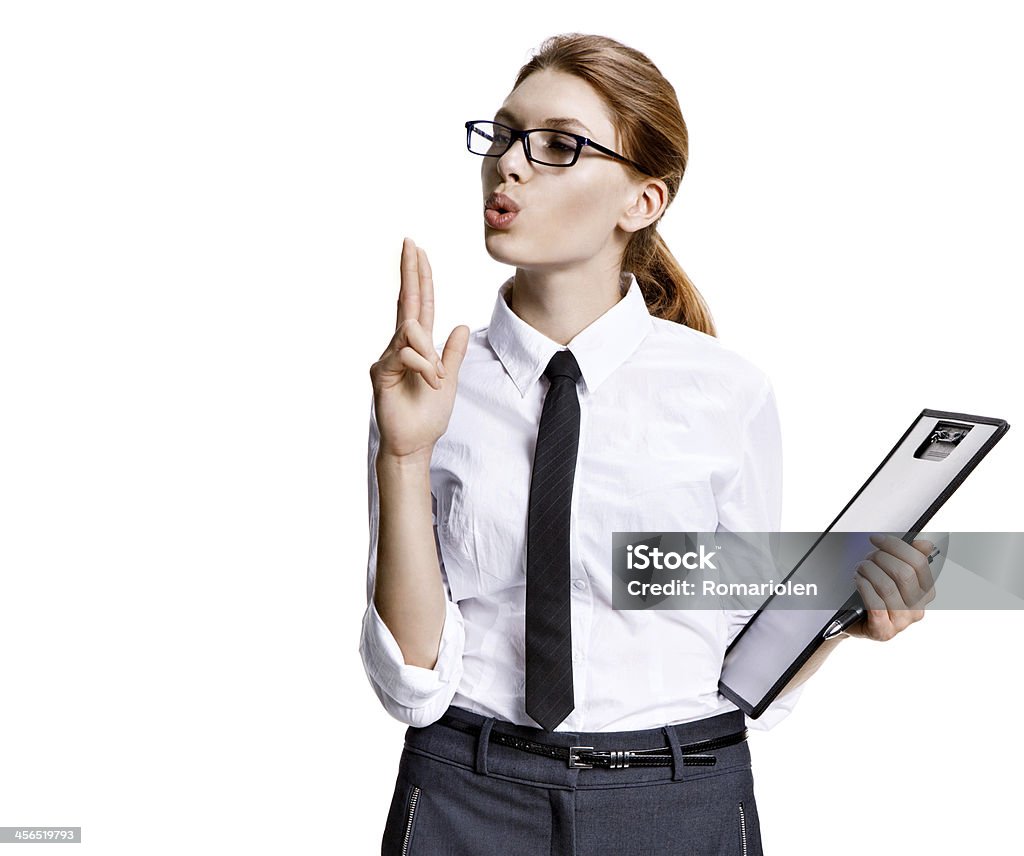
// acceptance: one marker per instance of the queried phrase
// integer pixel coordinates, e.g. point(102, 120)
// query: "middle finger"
point(911, 555)
point(426, 292)
point(903, 575)
point(882, 585)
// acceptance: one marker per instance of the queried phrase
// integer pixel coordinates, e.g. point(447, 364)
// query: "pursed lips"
point(501, 203)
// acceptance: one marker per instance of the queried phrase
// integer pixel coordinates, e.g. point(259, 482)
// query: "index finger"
point(409, 290)
point(926, 547)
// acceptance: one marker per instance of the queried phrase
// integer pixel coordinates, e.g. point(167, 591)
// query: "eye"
point(561, 147)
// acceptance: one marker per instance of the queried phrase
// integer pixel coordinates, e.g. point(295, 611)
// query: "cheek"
point(584, 213)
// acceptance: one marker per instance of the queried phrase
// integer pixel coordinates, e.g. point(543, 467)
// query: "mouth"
point(499, 219)
point(501, 203)
point(500, 210)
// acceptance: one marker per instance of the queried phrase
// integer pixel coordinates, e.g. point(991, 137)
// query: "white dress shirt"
point(677, 433)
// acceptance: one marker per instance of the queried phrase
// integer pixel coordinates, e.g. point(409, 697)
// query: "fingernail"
point(440, 368)
point(876, 540)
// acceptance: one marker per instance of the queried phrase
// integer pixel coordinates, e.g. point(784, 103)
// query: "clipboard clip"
point(945, 437)
point(948, 435)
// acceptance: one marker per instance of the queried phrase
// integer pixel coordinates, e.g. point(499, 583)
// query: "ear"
point(645, 203)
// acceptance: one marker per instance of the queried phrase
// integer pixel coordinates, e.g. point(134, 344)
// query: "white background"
point(202, 210)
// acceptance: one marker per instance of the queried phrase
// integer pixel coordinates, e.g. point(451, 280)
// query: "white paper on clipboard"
point(928, 463)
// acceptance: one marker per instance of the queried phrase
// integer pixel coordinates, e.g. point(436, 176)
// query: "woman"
point(597, 400)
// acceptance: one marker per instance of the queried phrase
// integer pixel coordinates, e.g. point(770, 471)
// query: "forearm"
point(408, 594)
point(813, 663)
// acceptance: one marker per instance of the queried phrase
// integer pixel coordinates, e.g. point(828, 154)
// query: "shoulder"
point(742, 381)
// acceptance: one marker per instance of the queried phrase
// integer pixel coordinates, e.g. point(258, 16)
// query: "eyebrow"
point(556, 122)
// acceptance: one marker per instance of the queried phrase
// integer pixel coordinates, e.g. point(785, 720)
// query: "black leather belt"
point(585, 756)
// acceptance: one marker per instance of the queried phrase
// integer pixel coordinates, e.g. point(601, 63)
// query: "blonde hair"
point(646, 113)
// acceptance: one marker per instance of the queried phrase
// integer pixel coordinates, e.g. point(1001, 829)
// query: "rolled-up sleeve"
point(411, 694)
point(751, 501)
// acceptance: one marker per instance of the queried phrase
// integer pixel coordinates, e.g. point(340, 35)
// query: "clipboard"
point(928, 463)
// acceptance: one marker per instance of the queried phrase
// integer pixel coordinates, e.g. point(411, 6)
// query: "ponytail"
point(667, 290)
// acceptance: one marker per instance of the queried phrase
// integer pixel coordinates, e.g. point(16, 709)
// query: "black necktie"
point(549, 689)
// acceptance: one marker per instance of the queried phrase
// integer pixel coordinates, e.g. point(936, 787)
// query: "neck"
point(561, 303)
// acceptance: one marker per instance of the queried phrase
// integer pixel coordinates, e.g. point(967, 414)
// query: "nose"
point(514, 161)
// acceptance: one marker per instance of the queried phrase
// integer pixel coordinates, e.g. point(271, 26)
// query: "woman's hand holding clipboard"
point(894, 583)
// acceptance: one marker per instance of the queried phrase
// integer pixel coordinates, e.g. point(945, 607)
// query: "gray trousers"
point(460, 794)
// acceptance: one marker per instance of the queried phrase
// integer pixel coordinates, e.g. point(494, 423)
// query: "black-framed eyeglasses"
point(554, 148)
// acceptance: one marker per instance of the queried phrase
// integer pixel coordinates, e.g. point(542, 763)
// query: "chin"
point(501, 248)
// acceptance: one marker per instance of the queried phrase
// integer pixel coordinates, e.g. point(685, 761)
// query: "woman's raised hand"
point(414, 389)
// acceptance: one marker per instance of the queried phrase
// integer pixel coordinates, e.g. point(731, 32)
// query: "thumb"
point(455, 350)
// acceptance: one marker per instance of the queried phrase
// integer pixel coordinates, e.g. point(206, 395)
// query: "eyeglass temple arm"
point(589, 142)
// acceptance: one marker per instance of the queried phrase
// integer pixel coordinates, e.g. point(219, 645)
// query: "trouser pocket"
point(400, 830)
point(748, 827)
point(410, 820)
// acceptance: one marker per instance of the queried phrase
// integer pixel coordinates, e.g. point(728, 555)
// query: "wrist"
point(418, 460)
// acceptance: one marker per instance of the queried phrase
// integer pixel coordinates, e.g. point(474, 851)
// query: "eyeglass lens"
point(547, 147)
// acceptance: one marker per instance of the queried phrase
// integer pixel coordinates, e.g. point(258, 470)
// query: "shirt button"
point(579, 584)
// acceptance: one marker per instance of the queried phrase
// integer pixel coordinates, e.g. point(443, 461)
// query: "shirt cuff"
point(412, 694)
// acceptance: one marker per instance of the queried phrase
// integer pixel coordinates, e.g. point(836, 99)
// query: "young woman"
point(542, 720)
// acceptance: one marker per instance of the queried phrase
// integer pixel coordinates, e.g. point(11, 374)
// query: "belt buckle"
point(574, 761)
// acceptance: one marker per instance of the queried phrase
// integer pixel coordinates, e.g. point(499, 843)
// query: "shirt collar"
point(599, 348)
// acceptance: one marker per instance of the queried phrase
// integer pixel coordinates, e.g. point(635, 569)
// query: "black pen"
point(853, 610)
